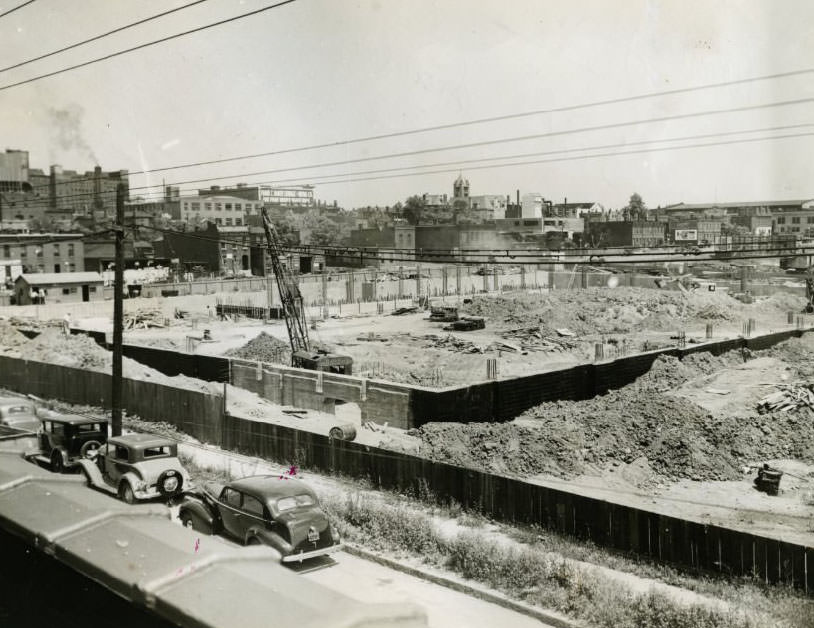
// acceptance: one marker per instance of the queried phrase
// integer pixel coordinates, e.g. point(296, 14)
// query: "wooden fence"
point(690, 545)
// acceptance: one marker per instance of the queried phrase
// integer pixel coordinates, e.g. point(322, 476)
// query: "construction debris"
point(788, 397)
point(405, 310)
point(145, 318)
point(536, 339)
point(264, 348)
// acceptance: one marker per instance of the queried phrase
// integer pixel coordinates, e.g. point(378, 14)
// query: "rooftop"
point(39, 279)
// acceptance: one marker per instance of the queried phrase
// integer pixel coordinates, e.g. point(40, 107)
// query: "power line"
point(24, 4)
point(145, 45)
point(451, 125)
point(98, 37)
point(320, 179)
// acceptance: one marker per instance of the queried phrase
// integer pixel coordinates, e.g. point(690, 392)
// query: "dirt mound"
point(10, 337)
point(606, 310)
point(641, 422)
point(265, 348)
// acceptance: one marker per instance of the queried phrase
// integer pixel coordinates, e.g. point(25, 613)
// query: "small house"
point(44, 288)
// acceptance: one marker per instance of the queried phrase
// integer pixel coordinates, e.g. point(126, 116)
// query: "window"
point(231, 497)
point(56, 250)
point(238, 207)
point(781, 220)
point(73, 289)
point(228, 207)
point(153, 452)
point(6, 250)
point(810, 219)
point(217, 206)
point(89, 427)
point(287, 503)
point(39, 252)
point(218, 221)
point(208, 206)
point(252, 505)
point(228, 222)
point(238, 222)
point(92, 289)
point(23, 252)
point(57, 428)
point(196, 206)
point(186, 205)
point(66, 291)
point(70, 250)
point(120, 453)
point(795, 220)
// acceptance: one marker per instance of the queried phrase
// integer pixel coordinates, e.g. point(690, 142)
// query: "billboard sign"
point(686, 235)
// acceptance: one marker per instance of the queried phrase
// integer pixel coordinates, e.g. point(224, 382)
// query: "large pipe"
point(52, 187)
point(97, 187)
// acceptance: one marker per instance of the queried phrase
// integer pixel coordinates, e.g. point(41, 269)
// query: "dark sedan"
point(279, 511)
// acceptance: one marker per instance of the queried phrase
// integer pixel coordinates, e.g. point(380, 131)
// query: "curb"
point(548, 617)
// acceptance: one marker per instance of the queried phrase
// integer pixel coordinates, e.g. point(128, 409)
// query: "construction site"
point(685, 438)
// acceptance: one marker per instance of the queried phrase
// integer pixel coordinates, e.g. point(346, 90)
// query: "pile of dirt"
point(619, 310)
point(265, 348)
point(10, 337)
point(641, 424)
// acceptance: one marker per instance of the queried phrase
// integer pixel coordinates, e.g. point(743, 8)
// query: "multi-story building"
point(618, 233)
point(228, 211)
point(44, 252)
point(271, 195)
point(14, 170)
point(90, 193)
point(488, 206)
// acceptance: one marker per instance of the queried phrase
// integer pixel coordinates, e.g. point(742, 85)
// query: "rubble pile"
point(144, 318)
point(787, 397)
point(10, 336)
point(613, 310)
point(265, 348)
point(641, 424)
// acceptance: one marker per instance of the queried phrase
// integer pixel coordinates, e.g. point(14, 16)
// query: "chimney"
point(52, 186)
point(97, 187)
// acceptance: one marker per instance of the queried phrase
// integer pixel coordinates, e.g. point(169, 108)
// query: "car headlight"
point(170, 484)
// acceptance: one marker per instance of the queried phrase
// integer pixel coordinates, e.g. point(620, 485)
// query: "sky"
point(322, 72)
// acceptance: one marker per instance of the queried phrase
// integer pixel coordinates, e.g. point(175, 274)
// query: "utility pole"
point(118, 315)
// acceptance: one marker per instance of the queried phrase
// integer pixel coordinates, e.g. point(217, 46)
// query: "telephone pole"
point(118, 315)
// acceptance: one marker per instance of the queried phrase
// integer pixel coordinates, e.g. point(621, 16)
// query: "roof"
point(72, 419)
point(140, 441)
point(271, 486)
point(39, 279)
point(699, 206)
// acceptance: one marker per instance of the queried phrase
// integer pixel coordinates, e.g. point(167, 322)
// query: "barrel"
point(346, 431)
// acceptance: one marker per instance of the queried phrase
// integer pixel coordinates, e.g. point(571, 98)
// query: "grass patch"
point(538, 576)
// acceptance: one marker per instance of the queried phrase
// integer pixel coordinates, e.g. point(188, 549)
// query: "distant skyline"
point(322, 71)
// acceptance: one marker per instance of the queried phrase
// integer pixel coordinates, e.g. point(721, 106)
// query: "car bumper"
point(301, 556)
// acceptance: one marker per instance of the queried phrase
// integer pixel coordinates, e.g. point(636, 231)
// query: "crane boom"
point(287, 287)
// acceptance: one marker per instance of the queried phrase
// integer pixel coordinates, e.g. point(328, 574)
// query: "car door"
point(116, 462)
point(234, 521)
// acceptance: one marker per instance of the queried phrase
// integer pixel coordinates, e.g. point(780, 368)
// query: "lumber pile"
point(788, 397)
point(535, 339)
point(144, 318)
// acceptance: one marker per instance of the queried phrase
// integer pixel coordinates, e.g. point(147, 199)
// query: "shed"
point(32, 288)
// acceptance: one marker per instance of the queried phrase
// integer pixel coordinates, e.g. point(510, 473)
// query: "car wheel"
point(90, 449)
point(169, 483)
point(57, 463)
point(194, 522)
point(126, 493)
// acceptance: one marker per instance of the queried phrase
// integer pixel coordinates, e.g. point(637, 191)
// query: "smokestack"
point(97, 187)
point(52, 187)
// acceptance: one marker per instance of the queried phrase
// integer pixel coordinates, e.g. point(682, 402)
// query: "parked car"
point(137, 467)
point(19, 413)
point(279, 511)
point(64, 439)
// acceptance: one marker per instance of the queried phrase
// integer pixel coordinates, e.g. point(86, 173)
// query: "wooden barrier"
point(691, 545)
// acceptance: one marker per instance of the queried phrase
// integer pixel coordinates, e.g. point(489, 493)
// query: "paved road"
point(370, 582)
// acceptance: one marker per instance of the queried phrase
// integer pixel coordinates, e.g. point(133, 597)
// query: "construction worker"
point(66, 323)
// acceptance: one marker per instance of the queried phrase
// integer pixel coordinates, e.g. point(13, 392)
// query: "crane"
point(302, 354)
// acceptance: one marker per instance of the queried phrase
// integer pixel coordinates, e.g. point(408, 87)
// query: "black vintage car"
point(64, 439)
point(279, 511)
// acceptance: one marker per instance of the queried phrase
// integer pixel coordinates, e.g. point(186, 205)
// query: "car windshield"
point(12, 410)
point(288, 503)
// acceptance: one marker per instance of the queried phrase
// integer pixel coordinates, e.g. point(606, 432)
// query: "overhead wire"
point(503, 140)
point(17, 8)
point(98, 37)
point(145, 45)
point(324, 179)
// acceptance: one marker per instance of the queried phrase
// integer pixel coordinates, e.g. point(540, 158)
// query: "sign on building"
point(686, 234)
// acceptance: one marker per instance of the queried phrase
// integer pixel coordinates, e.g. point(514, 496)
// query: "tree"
point(412, 210)
point(636, 208)
point(325, 232)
